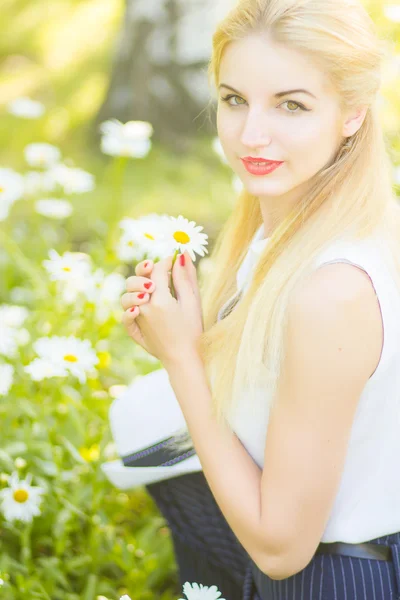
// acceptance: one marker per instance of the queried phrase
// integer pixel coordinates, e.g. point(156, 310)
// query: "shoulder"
point(336, 310)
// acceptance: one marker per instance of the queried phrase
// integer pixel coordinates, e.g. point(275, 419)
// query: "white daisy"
point(6, 378)
point(72, 272)
point(13, 315)
point(181, 234)
point(126, 139)
point(72, 179)
point(37, 182)
point(54, 208)
point(392, 12)
point(67, 266)
point(195, 591)
point(396, 175)
point(148, 232)
point(63, 356)
point(217, 147)
point(21, 501)
point(12, 334)
point(41, 155)
point(11, 190)
point(104, 291)
point(128, 249)
point(125, 597)
point(26, 108)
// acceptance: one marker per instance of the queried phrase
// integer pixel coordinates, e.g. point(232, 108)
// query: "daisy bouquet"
point(157, 236)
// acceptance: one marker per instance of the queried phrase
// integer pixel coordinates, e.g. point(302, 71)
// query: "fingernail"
point(148, 285)
point(142, 295)
point(182, 260)
point(133, 309)
point(145, 265)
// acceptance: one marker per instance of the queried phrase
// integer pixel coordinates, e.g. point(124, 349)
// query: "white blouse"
point(367, 504)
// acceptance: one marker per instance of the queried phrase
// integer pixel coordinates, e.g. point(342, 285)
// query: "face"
point(256, 118)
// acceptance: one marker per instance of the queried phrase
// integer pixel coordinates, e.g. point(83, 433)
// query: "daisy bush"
point(65, 532)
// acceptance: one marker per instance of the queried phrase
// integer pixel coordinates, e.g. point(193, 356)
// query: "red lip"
point(264, 169)
point(254, 159)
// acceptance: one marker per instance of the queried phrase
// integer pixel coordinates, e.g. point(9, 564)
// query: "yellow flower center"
point(130, 244)
point(90, 454)
point(68, 269)
point(70, 358)
point(1, 189)
point(21, 496)
point(181, 237)
point(148, 236)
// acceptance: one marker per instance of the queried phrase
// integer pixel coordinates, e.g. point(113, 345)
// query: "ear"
point(354, 121)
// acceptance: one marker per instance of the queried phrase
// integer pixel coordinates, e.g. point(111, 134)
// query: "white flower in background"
point(392, 12)
point(217, 147)
point(126, 139)
point(11, 190)
point(37, 182)
point(6, 378)
point(20, 500)
point(237, 184)
point(54, 208)
point(125, 597)
point(128, 249)
point(104, 291)
point(13, 315)
point(41, 155)
point(181, 234)
point(72, 271)
point(148, 233)
point(67, 266)
point(63, 356)
point(12, 334)
point(72, 179)
point(26, 108)
point(195, 591)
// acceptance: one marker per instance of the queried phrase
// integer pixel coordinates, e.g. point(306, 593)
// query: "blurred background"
point(66, 68)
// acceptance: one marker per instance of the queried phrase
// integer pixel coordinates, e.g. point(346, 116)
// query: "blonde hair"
point(354, 194)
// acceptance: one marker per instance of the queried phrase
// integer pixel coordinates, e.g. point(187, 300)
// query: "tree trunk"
point(160, 69)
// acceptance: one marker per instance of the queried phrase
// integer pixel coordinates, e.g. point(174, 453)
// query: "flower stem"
point(26, 266)
point(172, 279)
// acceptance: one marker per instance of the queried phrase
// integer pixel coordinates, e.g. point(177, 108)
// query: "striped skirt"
point(334, 577)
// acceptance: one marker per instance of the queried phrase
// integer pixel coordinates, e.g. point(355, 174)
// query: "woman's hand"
point(164, 326)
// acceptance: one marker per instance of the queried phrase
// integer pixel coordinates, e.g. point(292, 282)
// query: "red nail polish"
point(133, 309)
point(145, 265)
point(141, 296)
point(148, 285)
point(182, 260)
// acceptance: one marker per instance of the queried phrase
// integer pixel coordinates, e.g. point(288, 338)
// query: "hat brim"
point(126, 478)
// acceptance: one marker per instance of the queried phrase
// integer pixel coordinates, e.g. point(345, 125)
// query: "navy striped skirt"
point(333, 577)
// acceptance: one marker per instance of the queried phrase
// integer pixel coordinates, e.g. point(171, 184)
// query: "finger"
point(145, 267)
point(134, 299)
point(139, 284)
point(161, 277)
point(132, 328)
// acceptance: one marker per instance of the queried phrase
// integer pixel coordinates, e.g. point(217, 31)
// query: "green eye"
point(293, 105)
point(227, 98)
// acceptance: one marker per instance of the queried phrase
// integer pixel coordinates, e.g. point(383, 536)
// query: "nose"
point(254, 133)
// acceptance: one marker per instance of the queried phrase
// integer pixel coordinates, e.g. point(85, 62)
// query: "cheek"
point(309, 144)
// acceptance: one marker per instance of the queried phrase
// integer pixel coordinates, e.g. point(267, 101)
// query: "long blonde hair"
point(353, 194)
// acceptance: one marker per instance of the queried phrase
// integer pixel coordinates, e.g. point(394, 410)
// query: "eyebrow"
point(278, 95)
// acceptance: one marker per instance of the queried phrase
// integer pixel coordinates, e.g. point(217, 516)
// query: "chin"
point(264, 188)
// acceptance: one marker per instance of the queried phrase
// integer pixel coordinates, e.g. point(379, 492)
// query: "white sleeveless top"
point(367, 504)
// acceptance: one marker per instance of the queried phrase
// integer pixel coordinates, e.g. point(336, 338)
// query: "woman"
point(292, 399)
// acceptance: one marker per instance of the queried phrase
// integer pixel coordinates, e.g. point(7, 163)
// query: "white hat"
point(143, 419)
